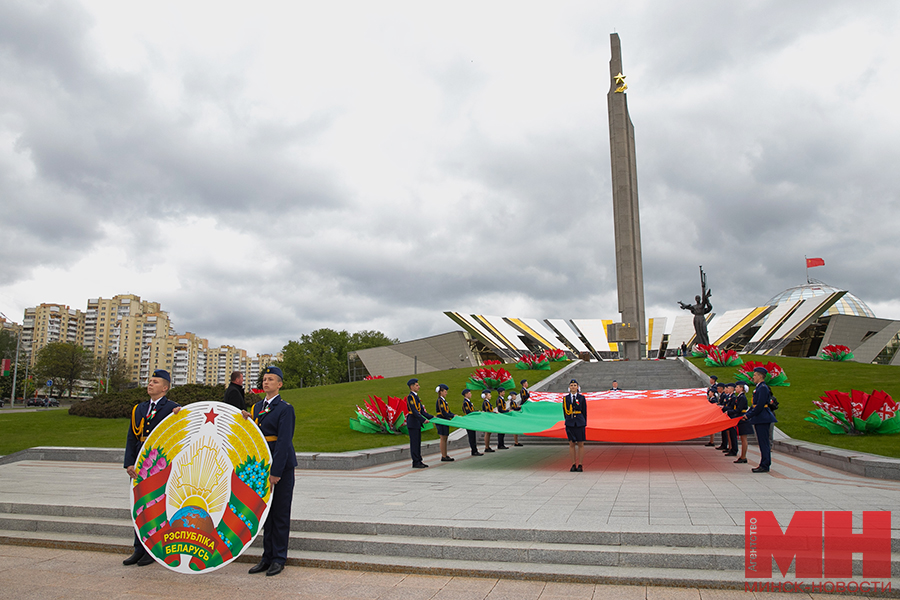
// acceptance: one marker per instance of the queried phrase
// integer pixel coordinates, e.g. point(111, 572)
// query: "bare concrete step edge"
point(449, 568)
point(403, 548)
point(59, 518)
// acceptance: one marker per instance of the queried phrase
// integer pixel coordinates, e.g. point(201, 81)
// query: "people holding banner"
point(144, 419)
point(276, 421)
point(443, 411)
point(575, 412)
point(486, 406)
point(469, 408)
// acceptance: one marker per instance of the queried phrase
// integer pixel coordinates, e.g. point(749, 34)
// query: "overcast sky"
point(265, 169)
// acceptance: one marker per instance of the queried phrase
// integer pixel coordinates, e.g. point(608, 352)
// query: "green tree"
point(113, 368)
point(63, 363)
point(320, 358)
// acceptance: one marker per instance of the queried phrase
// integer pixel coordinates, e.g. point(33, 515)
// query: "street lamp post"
point(12, 398)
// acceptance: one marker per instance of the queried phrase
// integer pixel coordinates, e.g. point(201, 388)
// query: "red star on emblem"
point(210, 416)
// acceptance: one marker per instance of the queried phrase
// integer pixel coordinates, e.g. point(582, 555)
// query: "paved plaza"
point(670, 489)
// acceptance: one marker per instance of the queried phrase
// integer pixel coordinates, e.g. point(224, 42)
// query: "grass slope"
point(323, 415)
point(811, 378)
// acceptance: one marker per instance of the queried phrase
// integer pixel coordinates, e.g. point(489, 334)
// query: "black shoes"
point(518, 444)
point(721, 448)
point(133, 559)
point(275, 569)
point(579, 469)
point(731, 454)
point(760, 470)
point(574, 469)
point(502, 447)
point(710, 444)
point(261, 566)
point(488, 450)
point(477, 453)
point(145, 560)
point(447, 459)
point(741, 460)
point(420, 466)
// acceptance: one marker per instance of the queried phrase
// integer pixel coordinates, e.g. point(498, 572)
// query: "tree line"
point(320, 357)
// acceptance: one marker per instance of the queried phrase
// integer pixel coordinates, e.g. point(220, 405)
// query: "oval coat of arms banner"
point(202, 492)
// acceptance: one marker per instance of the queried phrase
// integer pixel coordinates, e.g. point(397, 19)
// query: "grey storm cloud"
point(420, 169)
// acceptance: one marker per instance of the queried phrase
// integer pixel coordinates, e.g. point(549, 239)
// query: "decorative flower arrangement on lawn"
point(380, 417)
point(836, 353)
point(484, 379)
point(720, 358)
point(493, 362)
point(555, 355)
point(534, 362)
point(702, 350)
point(776, 375)
point(371, 377)
point(856, 413)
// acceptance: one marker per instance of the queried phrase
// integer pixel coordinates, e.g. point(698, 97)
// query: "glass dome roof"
point(847, 305)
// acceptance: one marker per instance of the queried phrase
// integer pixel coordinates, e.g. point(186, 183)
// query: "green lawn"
point(811, 378)
point(323, 415)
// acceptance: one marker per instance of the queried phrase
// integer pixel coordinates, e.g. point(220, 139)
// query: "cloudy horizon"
point(266, 172)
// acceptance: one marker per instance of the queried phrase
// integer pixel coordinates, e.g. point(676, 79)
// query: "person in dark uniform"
point(144, 419)
point(276, 420)
point(739, 407)
point(615, 386)
point(501, 408)
point(729, 436)
point(234, 393)
point(415, 418)
point(443, 411)
point(761, 416)
point(486, 406)
point(469, 408)
point(520, 400)
point(712, 397)
point(575, 412)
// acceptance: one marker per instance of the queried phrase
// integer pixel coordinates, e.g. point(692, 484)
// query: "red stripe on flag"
point(246, 495)
point(237, 526)
point(815, 262)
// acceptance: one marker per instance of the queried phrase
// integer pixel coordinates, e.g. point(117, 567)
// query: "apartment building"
point(48, 323)
point(140, 333)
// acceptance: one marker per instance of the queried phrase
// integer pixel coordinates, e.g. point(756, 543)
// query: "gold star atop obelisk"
point(620, 79)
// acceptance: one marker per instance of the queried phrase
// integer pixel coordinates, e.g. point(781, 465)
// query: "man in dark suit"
point(276, 420)
point(575, 412)
point(234, 393)
point(415, 418)
point(761, 416)
point(144, 419)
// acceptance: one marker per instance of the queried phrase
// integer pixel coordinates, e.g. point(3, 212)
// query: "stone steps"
point(683, 558)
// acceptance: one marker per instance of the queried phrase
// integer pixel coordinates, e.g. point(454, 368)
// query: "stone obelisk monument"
point(626, 215)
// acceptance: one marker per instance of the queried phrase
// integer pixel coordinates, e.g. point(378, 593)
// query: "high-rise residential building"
point(257, 364)
point(221, 362)
point(141, 334)
point(48, 323)
point(190, 359)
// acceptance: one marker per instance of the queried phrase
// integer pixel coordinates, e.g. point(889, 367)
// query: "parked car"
point(35, 402)
point(52, 402)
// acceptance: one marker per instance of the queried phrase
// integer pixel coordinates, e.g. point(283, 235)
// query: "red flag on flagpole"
point(815, 262)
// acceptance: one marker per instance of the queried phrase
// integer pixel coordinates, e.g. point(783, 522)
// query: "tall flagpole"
point(806, 260)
